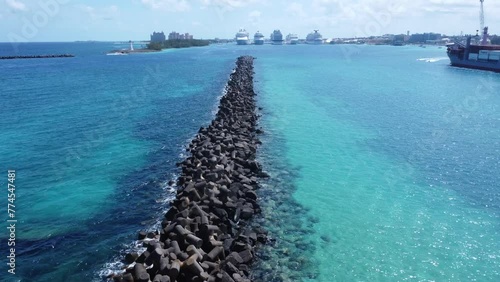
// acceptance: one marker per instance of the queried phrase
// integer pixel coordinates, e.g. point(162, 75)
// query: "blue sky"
point(69, 20)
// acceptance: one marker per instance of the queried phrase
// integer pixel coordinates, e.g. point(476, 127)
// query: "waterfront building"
point(175, 36)
point(158, 37)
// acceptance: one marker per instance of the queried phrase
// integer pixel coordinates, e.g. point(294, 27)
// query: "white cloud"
point(229, 4)
point(450, 6)
point(167, 5)
point(454, 3)
point(441, 10)
point(296, 10)
point(106, 13)
point(356, 17)
point(16, 5)
point(221, 7)
point(255, 17)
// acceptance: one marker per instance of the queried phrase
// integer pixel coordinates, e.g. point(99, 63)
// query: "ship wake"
point(432, 60)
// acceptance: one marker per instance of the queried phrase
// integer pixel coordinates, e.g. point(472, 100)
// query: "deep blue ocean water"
point(384, 160)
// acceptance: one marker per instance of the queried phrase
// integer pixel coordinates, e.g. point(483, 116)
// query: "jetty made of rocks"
point(206, 235)
point(36, 57)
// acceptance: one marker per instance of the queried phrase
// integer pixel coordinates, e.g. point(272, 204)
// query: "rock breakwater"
point(36, 57)
point(205, 234)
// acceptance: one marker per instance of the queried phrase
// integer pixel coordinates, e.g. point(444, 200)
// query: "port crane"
point(484, 30)
point(481, 15)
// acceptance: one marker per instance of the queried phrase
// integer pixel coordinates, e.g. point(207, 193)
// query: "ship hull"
point(259, 42)
point(474, 64)
point(278, 42)
point(242, 42)
point(294, 42)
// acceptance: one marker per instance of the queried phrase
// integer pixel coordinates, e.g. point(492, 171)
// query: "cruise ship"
point(277, 37)
point(292, 39)
point(258, 38)
point(314, 38)
point(475, 56)
point(242, 37)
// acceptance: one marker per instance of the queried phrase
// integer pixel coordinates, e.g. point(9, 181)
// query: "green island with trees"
point(177, 43)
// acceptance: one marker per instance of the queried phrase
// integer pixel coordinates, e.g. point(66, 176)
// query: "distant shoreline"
point(133, 51)
point(177, 43)
point(161, 46)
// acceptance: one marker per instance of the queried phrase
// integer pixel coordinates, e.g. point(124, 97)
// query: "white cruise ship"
point(242, 37)
point(314, 38)
point(258, 38)
point(292, 39)
point(277, 37)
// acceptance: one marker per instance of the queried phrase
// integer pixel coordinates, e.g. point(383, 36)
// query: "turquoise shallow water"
point(384, 160)
point(397, 163)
